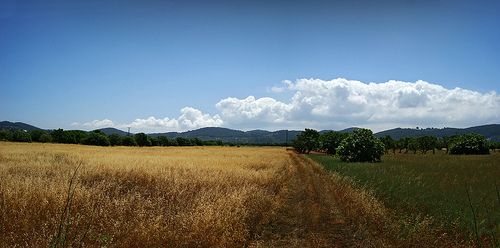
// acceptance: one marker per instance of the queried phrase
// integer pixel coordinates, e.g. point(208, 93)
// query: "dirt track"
point(307, 214)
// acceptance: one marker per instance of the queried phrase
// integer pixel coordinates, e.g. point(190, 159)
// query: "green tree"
point(154, 141)
point(163, 141)
point(96, 139)
point(330, 141)
point(389, 143)
point(470, 144)
point(57, 135)
point(183, 141)
point(306, 141)
point(5, 134)
point(142, 139)
point(44, 138)
point(402, 144)
point(361, 146)
point(427, 143)
point(196, 142)
point(69, 136)
point(21, 136)
point(128, 141)
point(115, 139)
point(412, 145)
point(37, 134)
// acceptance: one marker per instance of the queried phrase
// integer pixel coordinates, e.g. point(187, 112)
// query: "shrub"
point(470, 144)
point(360, 146)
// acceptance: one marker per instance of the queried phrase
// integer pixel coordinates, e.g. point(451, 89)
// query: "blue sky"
point(177, 65)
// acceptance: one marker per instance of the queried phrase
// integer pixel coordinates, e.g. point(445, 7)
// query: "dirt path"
point(316, 208)
point(306, 215)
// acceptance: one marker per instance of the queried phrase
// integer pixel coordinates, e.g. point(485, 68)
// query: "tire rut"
point(306, 215)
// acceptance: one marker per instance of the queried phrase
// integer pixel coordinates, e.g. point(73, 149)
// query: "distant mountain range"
point(491, 132)
point(17, 125)
point(234, 136)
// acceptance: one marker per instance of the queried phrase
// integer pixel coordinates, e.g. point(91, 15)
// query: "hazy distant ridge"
point(491, 131)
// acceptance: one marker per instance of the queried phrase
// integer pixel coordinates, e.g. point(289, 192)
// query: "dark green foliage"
point(330, 141)
point(306, 141)
point(128, 141)
point(37, 134)
point(172, 142)
point(196, 142)
point(389, 143)
point(21, 136)
point(361, 146)
point(470, 144)
point(142, 139)
point(183, 141)
point(68, 137)
point(427, 143)
point(5, 135)
point(96, 139)
point(402, 144)
point(57, 135)
point(44, 138)
point(154, 141)
point(115, 139)
point(163, 141)
point(412, 145)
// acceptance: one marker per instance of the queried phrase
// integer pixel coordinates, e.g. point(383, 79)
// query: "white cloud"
point(262, 111)
point(338, 104)
point(276, 89)
point(193, 118)
point(342, 103)
point(95, 124)
point(190, 118)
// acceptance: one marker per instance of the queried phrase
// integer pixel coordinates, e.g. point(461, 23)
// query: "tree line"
point(361, 145)
point(98, 138)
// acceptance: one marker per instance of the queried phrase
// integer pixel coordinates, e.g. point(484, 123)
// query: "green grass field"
point(434, 188)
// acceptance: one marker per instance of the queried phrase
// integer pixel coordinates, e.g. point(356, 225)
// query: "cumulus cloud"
point(190, 118)
point(338, 104)
point(342, 103)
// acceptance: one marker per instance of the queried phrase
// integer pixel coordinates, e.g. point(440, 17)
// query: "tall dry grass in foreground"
point(135, 197)
point(54, 195)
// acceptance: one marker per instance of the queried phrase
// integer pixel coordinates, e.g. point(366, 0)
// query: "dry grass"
point(135, 196)
point(183, 197)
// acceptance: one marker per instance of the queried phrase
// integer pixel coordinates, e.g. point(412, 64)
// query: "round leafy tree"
point(470, 144)
point(306, 141)
point(360, 146)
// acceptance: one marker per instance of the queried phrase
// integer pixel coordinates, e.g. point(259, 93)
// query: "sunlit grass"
point(135, 197)
point(434, 187)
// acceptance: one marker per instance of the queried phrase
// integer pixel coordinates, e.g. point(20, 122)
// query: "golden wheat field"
point(55, 195)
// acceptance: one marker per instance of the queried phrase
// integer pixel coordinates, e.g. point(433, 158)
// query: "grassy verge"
point(434, 189)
